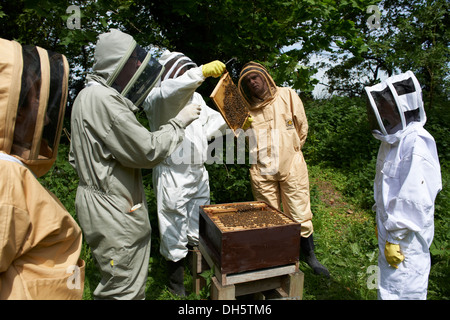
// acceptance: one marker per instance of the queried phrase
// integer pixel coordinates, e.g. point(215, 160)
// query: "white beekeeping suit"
point(407, 181)
point(181, 181)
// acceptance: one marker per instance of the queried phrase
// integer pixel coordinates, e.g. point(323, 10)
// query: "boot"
point(307, 251)
point(176, 277)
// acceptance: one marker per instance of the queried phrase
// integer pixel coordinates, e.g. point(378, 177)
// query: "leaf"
point(372, 256)
point(355, 248)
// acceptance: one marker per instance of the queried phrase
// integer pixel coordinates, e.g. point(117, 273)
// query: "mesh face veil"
point(175, 64)
point(256, 85)
point(33, 96)
point(394, 103)
point(137, 74)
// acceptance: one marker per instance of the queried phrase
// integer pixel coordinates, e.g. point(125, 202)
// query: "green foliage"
point(229, 183)
point(339, 137)
point(423, 39)
point(256, 30)
point(414, 36)
point(338, 133)
point(287, 70)
point(56, 180)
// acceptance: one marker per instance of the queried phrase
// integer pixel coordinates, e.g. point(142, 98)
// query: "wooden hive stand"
point(283, 282)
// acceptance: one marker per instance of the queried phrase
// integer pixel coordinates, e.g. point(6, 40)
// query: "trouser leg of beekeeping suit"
point(269, 191)
point(190, 233)
point(180, 191)
point(410, 280)
point(295, 195)
point(292, 192)
point(178, 207)
point(119, 242)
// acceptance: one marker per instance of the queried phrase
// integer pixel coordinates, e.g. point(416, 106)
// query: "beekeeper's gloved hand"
point(393, 254)
point(247, 123)
point(188, 114)
point(213, 69)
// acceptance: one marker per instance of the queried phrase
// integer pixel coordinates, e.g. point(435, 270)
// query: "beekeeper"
point(280, 175)
point(407, 180)
point(40, 242)
point(181, 181)
point(108, 149)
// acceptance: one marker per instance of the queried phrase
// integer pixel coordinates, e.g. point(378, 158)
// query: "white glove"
point(188, 114)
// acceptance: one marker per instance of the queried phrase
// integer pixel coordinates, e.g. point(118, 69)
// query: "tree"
point(255, 30)
point(204, 30)
point(413, 36)
point(44, 23)
point(423, 41)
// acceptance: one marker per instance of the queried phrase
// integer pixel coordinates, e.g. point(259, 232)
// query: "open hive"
point(230, 103)
point(246, 216)
point(248, 236)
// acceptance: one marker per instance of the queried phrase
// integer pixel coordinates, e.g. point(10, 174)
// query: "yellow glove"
point(247, 123)
point(213, 69)
point(393, 254)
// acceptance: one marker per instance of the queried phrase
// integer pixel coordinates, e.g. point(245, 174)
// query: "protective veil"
point(40, 243)
point(181, 181)
point(108, 149)
point(407, 181)
point(280, 128)
point(126, 66)
point(36, 85)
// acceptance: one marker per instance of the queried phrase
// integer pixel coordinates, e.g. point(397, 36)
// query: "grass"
point(345, 241)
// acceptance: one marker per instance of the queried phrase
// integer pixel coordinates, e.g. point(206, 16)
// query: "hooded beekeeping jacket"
point(181, 181)
point(108, 149)
point(407, 181)
point(280, 127)
point(40, 242)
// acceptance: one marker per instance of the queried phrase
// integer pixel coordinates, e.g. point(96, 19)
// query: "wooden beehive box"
point(248, 236)
point(229, 102)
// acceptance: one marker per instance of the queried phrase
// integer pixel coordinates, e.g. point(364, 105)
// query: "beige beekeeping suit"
point(40, 243)
point(280, 175)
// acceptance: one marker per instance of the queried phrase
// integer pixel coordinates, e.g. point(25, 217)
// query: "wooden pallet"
point(284, 282)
